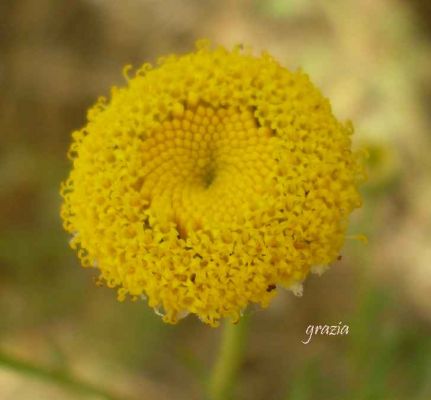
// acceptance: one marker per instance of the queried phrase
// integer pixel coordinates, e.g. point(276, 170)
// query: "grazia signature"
point(328, 330)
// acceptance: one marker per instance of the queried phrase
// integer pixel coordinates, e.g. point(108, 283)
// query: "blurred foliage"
point(372, 60)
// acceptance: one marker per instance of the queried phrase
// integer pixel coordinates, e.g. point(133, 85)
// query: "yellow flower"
point(208, 181)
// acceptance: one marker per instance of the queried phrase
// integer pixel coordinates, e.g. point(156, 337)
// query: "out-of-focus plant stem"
point(55, 376)
point(228, 360)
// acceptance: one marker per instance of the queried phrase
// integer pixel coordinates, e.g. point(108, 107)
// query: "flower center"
point(209, 176)
point(204, 164)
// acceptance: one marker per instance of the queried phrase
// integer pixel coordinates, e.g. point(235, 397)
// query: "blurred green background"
point(372, 58)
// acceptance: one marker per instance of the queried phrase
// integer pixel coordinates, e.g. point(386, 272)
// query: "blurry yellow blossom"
point(383, 165)
point(208, 181)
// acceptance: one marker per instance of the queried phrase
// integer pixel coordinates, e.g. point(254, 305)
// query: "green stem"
point(55, 376)
point(228, 361)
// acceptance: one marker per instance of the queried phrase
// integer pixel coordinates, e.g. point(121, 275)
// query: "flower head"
point(209, 181)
